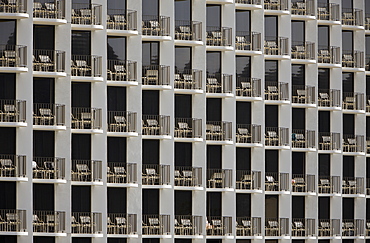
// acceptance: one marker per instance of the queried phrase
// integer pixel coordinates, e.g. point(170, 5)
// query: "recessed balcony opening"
point(216, 176)
point(281, 5)
point(86, 13)
point(153, 23)
point(14, 6)
point(303, 7)
point(49, 9)
point(328, 11)
point(119, 17)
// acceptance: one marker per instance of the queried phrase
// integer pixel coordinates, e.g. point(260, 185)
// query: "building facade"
point(184, 121)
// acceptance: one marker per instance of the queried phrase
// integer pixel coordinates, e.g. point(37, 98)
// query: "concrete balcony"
point(248, 88)
point(329, 99)
point(157, 27)
point(219, 132)
point(248, 227)
point(248, 134)
point(353, 228)
point(13, 168)
point(330, 141)
point(86, 119)
point(219, 85)
point(121, 22)
point(156, 175)
point(86, 68)
point(86, 16)
point(303, 8)
point(158, 224)
point(48, 63)
point(219, 37)
point(86, 223)
point(353, 102)
point(281, 5)
point(49, 12)
point(303, 228)
point(122, 224)
point(50, 223)
point(122, 123)
point(187, 176)
point(328, 12)
point(219, 226)
point(188, 81)
point(329, 228)
point(276, 46)
point(188, 129)
point(250, 2)
point(121, 72)
point(16, 9)
point(249, 42)
point(276, 227)
point(13, 222)
point(353, 143)
point(189, 225)
point(48, 168)
point(353, 186)
point(328, 56)
point(188, 32)
point(156, 126)
point(277, 92)
point(303, 95)
point(353, 59)
point(156, 77)
point(303, 183)
point(86, 171)
point(219, 178)
point(277, 182)
point(121, 173)
point(13, 113)
point(48, 116)
point(303, 139)
point(352, 17)
point(248, 180)
point(277, 136)
point(329, 185)
point(303, 51)
point(13, 58)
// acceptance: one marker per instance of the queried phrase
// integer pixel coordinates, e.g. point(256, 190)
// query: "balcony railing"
point(188, 225)
point(353, 143)
point(188, 176)
point(329, 98)
point(86, 170)
point(247, 226)
point(277, 136)
point(86, 118)
point(119, 172)
point(13, 220)
point(276, 5)
point(303, 227)
point(13, 55)
point(47, 9)
point(329, 54)
point(219, 130)
point(49, 221)
point(303, 50)
point(188, 79)
point(48, 168)
point(276, 45)
point(353, 101)
point(48, 114)
point(328, 11)
point(188, 30)
point(12, 165)
point(276, 91)
point(156, 224)
point(219, 225)
point(154, 25)
point(219, 84)
point(248, 41)
point(12, 111)
point(367, 59)
point(276, 226)
point(367, 21)
point(254, 2)
point(219, 178)
point(329, 184)
point(248, 180)
point(122, 19)
point(121, 224)
point(351, 185)
point(86, 14)
point(247, 133)
point(303, 138)
point(156, 75)
point(248, 87)
point(275, 181)
point(352, 16)
point(154, 174)
point(329, 141)
point(353, 227)
point(368, 189)
point(352, 59)
point(15, 6)
point(86, 223)
point(188, 128)
point(158, 125)
point(303, 183)
point(303, 7)
point(122, 121)
point(303, 94)
point(86, 66)
point(121, 70)
point(219, 36)
point(329, 227)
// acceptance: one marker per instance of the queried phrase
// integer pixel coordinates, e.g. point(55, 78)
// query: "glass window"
point(347, 4)
point(213, 62)
point(183, 10)
point(271, 26)
point(347, 82)
point(213, 15)
point(324, 79)
point(150, 53)
point(347, 40)
point(150, 7)
point(271, 71)
point(116, 47)
point(298, 29)
point(81, 94)
point(43, 90)
point(243, 66)
point(367, 7)
point(367, 45)
point(81, 43)
point(81, 1)
point(8, 32)
point(324, 37)
point(7, 86)
point(243, 20)
point(116, 4)
point(43, 37)
point(298, 74)
point(182, 59)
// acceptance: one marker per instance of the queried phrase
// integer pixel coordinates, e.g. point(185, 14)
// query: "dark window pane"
point(243, 159)
point(150, 99)
point(243, 20)
point(271, 26)
point(116, 98)
point(347, 40)
point(116, 198)
point(117, 149)
point(43, 90)
point(182, 59)
point(324, 164)
point(324, 121)
point(213, 62)
point(7, 86)
point(271, 71)
point(298, 74)
point(43, 143)
point(214, 157)
point(213, 15)
point(150, 201)
point(272, 112)
point(81, 146)
point(183, 9)
point(40, 201)
point(183, 106)
point(150, 53)
point(271, 206)
point(81, 199)
point(8, 145)
point(150, 151)
point(116, 48)
point(183, 202)
point(43, 37)
point(271, 160)
point(183, 154)
point(324, 78)
point(347, 4)
point(299, 118)
point(323, 36)
point(214, 204)
point(298, 208)
point(81, 94)
point(243, 205)
point(214, 109)
point(8, 195)
point(243, 66)
point(298, 31)
point(8, 32)
point(243, 113)
point(81, 43)
point(116, 4)
point(150, 7)
point(347, 82)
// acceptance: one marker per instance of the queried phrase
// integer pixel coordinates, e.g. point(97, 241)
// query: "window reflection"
point(43, 37)
point(213, 62)
point(81, 43)
point(271, 71)
point(8, 32)
point(347, 82)
point(150, 55)
point(271, 26)
point(298, 74)
point(150, 7)
point(324, 78)
point(243, 20)
point(116, 4)
point(243, 66)
point(213, 15)
point(183, 10)
point(347, 40)
point(182, 59)
point(298, 29)
point(116, 47)
point(323, 36)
